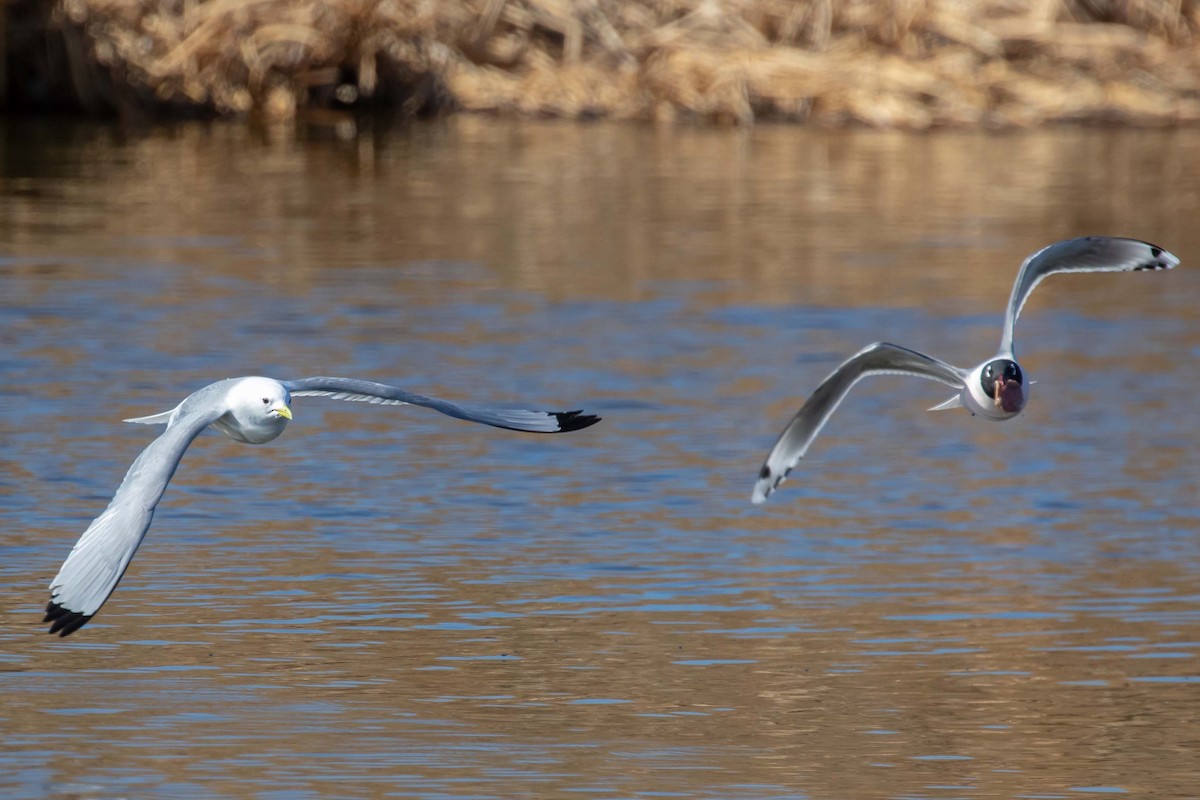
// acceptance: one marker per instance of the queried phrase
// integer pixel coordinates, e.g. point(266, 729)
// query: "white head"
point(260, 410)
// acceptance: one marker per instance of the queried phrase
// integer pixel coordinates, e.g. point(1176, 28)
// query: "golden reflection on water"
point(774, 214)
point(410, 605)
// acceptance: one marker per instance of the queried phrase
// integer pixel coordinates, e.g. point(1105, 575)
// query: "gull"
point(995, 390)
point(253, 410)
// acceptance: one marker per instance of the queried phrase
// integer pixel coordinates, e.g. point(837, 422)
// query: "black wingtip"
point(1159, 259)
point(65, 621)
point(574, 420)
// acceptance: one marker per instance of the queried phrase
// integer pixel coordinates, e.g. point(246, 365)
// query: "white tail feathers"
point(154, 419)
point(953, 402)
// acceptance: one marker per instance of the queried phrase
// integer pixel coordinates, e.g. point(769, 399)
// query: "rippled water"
point(388, 602)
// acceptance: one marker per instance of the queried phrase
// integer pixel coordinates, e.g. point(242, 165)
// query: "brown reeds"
point(903, 63)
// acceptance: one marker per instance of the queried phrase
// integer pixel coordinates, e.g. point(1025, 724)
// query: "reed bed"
point(886, 63)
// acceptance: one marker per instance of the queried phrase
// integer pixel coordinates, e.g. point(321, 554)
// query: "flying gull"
point(996, 390)
point(253, 410)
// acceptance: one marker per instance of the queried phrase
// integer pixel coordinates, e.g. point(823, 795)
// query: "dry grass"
point(888, 63)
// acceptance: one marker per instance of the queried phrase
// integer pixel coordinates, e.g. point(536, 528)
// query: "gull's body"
point(253, 410)
point(996, 389)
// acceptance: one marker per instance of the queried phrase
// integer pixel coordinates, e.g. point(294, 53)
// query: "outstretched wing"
point(370, 392)
point(100, 557)
point(1086, 254)
point(880, 358)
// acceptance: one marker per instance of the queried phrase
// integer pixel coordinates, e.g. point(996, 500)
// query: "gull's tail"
point(953, 402)
point(154, 419)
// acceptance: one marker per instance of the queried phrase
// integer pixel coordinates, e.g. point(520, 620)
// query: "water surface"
point(388, 602)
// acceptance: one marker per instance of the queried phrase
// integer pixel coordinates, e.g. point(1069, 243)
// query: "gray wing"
point(880, 358)
point(371, 392)
point(1086, 254)
point(100, 557)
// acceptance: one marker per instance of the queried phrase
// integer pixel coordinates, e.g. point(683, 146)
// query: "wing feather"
point(1085, 254)
point(880, 358)
point(100, 557)
point(360, 391)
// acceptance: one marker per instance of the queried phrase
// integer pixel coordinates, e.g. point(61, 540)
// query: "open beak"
point(283, 411)
point(1008, 396)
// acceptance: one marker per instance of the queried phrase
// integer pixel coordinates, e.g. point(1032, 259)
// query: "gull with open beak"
point(996, 390)
point(252, 410)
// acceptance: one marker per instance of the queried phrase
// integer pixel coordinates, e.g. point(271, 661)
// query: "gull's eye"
point(266, 401)
point(1013, 373)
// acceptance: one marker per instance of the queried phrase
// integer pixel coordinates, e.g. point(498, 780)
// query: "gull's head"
point(1002, 381)
point(267, 398)
point(262, 407)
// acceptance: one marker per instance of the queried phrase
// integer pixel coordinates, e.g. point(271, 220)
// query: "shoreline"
point(907, 64)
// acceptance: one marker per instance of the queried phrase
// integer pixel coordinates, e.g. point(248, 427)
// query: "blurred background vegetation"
point(888, 63)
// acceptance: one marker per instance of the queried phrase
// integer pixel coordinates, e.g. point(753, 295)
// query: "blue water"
point(388, 602)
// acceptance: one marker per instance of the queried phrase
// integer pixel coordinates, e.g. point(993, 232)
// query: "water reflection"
point(385, 601)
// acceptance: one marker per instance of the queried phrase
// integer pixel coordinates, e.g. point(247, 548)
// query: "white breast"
point(257, 431)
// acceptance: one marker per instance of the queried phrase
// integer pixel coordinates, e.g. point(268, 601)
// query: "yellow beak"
point(283, 411)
